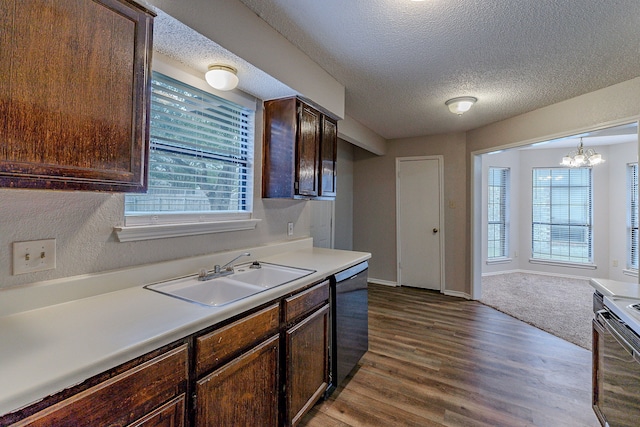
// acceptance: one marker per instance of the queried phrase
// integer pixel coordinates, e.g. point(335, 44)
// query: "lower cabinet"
point(266, 368)
point(243, 392)
point(307, 364)
point(238, 372)
point(151, 393)
point(306, 318)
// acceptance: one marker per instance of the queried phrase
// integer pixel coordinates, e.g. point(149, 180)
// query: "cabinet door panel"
point(328, 154)
point(74, 95)
point(307, 364)
point(308, 152)
point(243, 392)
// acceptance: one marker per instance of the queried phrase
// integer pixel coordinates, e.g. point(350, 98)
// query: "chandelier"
point(582, 158)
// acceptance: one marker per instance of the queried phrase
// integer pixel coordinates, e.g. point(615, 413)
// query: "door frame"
point(440, 159)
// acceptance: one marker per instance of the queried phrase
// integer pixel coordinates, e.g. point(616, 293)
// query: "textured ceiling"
point(183, 44)
point(400, 60)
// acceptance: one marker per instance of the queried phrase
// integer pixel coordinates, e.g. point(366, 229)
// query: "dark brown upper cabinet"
point(74, 94)
point(299, 152)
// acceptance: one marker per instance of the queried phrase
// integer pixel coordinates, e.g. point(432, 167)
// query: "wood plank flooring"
point(435, 360)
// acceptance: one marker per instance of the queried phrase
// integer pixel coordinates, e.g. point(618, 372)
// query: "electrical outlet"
point(36, 255)
point(289, 229)
point(614, 263)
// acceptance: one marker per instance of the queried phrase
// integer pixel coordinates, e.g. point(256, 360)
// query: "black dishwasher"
point(349, 322)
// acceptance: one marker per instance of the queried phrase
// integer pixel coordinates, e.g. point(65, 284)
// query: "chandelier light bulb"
point(582, 158)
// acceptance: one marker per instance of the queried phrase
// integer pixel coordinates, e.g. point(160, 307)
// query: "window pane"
point(632, 215)
point(497, 213)
point(561, 213)
point(201, 149)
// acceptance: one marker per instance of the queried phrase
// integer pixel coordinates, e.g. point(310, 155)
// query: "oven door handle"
point(604, 317)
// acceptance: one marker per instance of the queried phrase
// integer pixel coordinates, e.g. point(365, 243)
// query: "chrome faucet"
point(219, 271)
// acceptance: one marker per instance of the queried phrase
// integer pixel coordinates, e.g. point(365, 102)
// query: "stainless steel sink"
point(244, 282)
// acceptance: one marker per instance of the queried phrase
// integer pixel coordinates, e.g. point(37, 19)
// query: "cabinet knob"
point(435, 230)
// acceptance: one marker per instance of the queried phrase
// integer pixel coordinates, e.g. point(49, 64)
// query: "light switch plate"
point(289, 229)
point(36, 255)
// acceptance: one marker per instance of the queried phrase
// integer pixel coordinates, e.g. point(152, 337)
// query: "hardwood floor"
point(435, 360)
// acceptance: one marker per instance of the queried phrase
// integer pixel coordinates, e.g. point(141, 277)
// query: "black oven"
point(616, 371)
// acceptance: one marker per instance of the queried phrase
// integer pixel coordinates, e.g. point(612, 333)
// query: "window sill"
point(499, 261)
point(163, 231)
point(563, 264)
point(630, 272)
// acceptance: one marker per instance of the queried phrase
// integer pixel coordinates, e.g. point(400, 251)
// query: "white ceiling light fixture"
point(461, 104)
point(581, 158)
point(222, 77)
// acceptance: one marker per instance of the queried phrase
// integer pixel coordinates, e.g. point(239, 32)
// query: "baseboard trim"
point(458, 294)
point(382, 282)
point(541, 273)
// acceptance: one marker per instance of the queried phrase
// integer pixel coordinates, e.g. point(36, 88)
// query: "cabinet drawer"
point(123, 399)
point(300, 304)
point(218, 346)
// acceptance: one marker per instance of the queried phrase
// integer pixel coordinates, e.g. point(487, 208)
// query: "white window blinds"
point(200, 156)
point(497, 227)
point(632, 215)
point(561, 226)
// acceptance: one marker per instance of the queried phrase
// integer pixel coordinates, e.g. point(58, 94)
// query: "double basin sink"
point(246, 280)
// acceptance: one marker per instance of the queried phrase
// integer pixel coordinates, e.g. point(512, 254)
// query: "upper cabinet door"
point(308, 154)
point(74, 94)
point(299, 151)
point(328, 153)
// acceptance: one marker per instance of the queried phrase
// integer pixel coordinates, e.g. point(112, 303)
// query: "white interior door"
point(420, 221)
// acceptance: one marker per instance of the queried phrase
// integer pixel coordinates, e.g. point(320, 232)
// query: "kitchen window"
point(497, 227)
point(562, 215)
point(632, 216)
point(200, 163)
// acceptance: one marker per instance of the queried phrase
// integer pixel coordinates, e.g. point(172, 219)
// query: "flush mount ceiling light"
point(460, 105)
point(581, 158)
point(222, 77)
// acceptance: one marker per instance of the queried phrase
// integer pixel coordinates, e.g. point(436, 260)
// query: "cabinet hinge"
point(194, 401)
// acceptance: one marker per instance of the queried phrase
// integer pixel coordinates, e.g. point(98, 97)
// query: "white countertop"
point(614, 288)
point(50, 348)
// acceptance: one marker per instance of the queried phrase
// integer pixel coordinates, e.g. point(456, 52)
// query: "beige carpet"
point(560, 306)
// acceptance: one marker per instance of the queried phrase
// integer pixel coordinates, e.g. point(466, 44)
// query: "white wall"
point(374, 208)
point(619, 157)
point(343, 221)
point(606, 107)
point(82, 224)
point(609, 209)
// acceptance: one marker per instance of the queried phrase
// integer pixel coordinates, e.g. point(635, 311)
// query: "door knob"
point(435, 230)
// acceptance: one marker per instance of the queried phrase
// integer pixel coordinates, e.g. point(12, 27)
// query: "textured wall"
point(82, 224)
point(343, 222)
point(375, 204)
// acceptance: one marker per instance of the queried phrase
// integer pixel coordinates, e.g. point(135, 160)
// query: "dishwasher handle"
point(351, 272)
